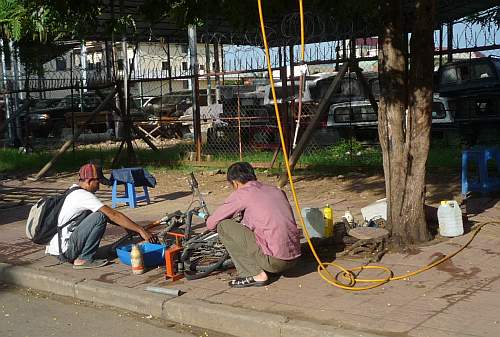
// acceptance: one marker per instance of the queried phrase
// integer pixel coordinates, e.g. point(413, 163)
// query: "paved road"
point(29, 313)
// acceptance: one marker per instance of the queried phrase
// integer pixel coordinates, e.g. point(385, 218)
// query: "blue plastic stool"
point(130, 197)
point(481, 183)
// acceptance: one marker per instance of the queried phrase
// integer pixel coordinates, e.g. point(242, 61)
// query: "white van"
point(362, 114)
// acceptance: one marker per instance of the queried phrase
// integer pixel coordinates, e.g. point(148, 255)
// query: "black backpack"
point(42, 220)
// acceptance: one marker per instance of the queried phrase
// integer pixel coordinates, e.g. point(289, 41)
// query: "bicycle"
point(202, 253)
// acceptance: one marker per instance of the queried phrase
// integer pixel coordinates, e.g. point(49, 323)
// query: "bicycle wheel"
point(199, 270)
point(203, 255)
point(209, 263)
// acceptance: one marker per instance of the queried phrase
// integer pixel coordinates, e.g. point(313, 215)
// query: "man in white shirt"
point(79, 244)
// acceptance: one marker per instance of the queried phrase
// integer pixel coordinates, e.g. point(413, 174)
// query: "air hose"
point(348, 275)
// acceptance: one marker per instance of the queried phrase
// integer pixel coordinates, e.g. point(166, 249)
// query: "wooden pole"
point(275, 157)
point(195, 87)
point(139, 132)
point(284, 98)
point(291, 111)
point(323, 108)
point(125, 101)
point(117, 155)
point(207, 71)
point(299, 113)
point(366, 88)
point(169, 70)
point(239, 126)
point(70, 142)
point(217, 70)
point(144, 138)
point(222, 68)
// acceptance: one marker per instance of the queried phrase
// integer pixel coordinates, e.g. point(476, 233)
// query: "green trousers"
point(247, 256)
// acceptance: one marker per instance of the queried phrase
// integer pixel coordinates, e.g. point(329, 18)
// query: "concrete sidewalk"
point(458, 298)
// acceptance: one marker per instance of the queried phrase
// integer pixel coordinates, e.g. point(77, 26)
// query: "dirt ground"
point(349, 191)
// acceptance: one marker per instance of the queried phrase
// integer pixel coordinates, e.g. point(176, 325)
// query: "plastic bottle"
point(450, 219)
point(314, 221)
point(136, 260)
point(328, 219)
point(348, 216)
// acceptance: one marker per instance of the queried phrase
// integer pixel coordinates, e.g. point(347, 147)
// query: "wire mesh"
point(238, 121)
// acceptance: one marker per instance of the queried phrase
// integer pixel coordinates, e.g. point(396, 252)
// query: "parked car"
point(42, 117)
point(173, 104)
point(35, 116)
point(472, 76)
point(360, 119)
point(73, 109)
point(309, 93)
point(317, 85)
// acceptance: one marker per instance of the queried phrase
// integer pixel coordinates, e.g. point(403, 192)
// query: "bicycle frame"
point(181, 246)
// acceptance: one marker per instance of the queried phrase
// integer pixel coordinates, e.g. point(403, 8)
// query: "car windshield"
point(174, 99)
point(449, 75)
point(482, 70)
point(89, 101)
point(43, 104)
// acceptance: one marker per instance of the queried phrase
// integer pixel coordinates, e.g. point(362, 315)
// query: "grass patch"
point(343, 154)
point(12, 161)
point(340, 157)
point(445, 157)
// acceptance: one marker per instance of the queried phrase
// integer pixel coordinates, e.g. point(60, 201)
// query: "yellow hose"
point(302, 38)
point(347, 274)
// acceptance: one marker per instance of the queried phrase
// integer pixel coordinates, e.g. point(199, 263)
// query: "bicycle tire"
point(195, 275)
point(227, 263)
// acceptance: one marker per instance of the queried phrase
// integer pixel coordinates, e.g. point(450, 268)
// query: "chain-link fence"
point(238, 120)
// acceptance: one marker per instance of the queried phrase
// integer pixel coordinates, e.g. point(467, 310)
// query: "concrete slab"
point(457, 298)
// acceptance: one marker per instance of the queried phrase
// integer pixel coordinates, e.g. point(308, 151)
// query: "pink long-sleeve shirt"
point(268, 214)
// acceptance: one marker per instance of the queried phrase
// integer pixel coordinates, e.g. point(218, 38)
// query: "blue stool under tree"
point(131, 178)
point(483, 182)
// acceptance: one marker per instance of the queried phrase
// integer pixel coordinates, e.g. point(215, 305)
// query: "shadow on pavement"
point(14, 214)
point(307, 264)
point(173, 195)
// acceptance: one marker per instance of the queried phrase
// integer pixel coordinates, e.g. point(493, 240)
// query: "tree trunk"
point(405, 118)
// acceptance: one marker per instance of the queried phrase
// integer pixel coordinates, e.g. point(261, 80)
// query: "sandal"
point(243, 282)
point(91, 264)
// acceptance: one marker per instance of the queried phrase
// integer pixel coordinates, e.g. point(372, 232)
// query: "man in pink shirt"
point(267, 240)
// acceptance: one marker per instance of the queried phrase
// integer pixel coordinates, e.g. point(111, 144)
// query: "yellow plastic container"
point(328, 219)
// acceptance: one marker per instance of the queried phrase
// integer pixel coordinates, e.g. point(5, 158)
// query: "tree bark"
point(405, 118)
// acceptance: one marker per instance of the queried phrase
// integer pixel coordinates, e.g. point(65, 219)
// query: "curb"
point(218, 317)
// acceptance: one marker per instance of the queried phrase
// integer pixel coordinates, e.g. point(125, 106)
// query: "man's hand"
point(149, 237)
point(123, 221)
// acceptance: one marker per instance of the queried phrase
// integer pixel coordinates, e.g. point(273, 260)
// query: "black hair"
point(242, 172)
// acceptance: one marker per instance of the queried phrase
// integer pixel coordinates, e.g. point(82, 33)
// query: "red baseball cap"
point(91, 171)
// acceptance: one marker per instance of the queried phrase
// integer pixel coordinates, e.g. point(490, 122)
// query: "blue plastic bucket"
point(152, 254)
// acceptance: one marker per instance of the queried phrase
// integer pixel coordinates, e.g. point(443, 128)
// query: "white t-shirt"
point(75, 203)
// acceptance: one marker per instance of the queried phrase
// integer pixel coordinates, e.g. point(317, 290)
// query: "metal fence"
point(238, 120)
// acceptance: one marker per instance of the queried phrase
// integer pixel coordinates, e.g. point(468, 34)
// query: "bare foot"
point(78, 262)
point(261, 277)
